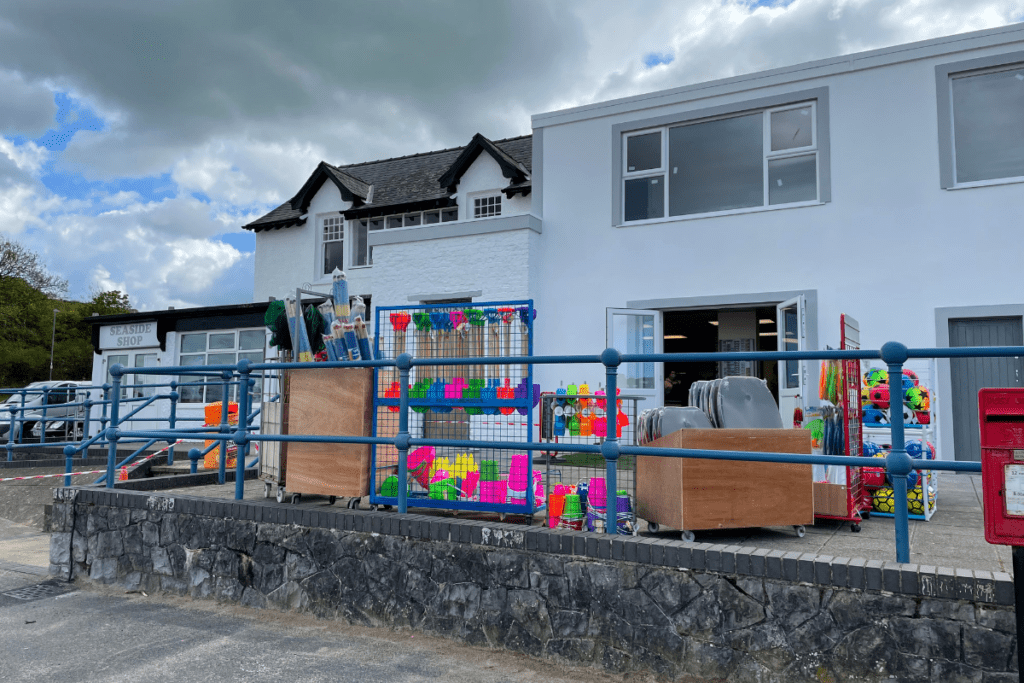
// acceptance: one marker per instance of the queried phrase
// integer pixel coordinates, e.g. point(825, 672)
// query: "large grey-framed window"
point(759, 154)
point(980, 105)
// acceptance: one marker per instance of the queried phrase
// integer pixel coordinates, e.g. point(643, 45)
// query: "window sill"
point(987, 183)
point(717, 214)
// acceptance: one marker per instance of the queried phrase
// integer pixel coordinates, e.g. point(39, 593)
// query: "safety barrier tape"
point(73, 474)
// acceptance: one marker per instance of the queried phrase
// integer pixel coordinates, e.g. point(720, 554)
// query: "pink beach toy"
point(493, 492)
point(470, 482)
point(419, 462)
point(597, 493)
point(440, 475)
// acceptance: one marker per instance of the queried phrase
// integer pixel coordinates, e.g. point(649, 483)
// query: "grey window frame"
point(944, 75)
point(820, 97)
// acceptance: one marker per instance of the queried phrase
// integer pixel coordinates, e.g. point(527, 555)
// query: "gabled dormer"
point(516, 172)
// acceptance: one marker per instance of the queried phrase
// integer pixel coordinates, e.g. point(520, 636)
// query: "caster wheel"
point(280, 494)
point(865, 514)
point(266, 490)
point(352, 503)
point(331, 500)
point(689, 536)
point(529, 520)
point(653, 527)
point(800, 530)
point(855, 528)
point(388, 507)
point(295, 498)
point(373, 508)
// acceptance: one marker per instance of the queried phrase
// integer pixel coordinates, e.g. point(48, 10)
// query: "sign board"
point(1015, 490)
point(130, 336)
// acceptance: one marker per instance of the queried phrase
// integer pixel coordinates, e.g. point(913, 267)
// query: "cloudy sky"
point(136, 138)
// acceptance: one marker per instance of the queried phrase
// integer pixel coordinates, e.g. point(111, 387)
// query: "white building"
point(728, 214)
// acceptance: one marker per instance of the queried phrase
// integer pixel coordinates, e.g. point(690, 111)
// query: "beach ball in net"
point(917, 398)
point(912, 376)
point(873, 416)
point(870, 449)
point(915, 501)
point(875, 376)
point(879, 396)
point(882, 501)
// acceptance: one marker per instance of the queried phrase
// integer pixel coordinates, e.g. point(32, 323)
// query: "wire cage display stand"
point(579, 418)
point(475, 402)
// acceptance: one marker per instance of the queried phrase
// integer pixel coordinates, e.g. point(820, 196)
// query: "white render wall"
point(485, 176)
point(890, 247)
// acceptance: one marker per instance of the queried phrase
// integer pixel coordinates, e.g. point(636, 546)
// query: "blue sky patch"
point(242, 241)
point(653, 59)
point(71, 117)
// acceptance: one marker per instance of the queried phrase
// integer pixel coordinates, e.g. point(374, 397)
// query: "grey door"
point(968, 375)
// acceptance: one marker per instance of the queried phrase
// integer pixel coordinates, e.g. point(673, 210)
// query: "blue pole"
point(222, 468)
point(174, 395)
point(69, 454)
point(242, 435)
point(404, 362)
point(42, 428)
point(86, 423)
point(10, 433)
point(898, 463)
point(106, 402)
point(115, 409)
point(610, 448)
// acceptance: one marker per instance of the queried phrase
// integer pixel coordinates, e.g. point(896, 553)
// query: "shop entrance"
point(714, 330)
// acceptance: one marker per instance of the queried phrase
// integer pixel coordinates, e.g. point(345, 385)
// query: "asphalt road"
point(53, 631)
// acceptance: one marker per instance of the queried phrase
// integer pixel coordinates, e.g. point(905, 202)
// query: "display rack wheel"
point(352, 503)
point(855, 528)
point(280, 494)
point(373, 507)
point(529, 520)
point(385, 507)
point(295, 498)
point(865, 514)
point(653, 527)
point(800, 530)
point(266, 490)
point(331, 500)
point(689, 536)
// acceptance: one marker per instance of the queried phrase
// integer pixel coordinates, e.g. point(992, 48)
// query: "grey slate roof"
point(398, 184)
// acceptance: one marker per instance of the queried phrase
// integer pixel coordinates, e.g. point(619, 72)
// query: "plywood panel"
point(335, 402)
point(693, 494)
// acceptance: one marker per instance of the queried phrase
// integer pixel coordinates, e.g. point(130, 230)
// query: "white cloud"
point(27, 156)
point(122, 198)
point(21, 207)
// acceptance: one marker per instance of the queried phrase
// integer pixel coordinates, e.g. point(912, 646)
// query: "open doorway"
point(722, 329)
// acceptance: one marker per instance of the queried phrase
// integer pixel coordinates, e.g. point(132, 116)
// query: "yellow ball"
point(915, 501)
point(882, 501)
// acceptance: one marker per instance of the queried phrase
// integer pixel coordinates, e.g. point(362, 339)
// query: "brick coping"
point(824, 570)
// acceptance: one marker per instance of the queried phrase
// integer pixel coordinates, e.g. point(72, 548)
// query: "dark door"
point(968, 375)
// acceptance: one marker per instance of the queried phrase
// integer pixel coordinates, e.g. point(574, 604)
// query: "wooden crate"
point(334, 402)
point(693, 494)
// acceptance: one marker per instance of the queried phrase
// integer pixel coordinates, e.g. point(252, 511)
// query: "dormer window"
point(485, 207)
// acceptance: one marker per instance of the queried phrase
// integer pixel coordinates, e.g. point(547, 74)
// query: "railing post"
point(174, 396)
point(222, 467)
point(242, 435)
point(86, 421)
point(10, 433)
point(404, 362)
point(106, 403)
point(193, 455)
point(69, 454)
point(898, 463)
point(42, 427)
point(610, 448)
point(115, 409)
point(21, 419)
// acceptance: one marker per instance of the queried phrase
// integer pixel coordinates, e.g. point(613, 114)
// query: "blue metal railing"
point(898, 463)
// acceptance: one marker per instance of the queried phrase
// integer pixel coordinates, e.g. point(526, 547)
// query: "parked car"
point(30, 421)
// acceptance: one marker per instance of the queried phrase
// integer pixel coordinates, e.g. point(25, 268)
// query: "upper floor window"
point(485, 207)
point(988, 125)
point(362, 252)
point(742, 161)
point(334, 244)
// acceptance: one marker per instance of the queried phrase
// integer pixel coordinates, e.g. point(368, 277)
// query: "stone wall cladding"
point(621, 603)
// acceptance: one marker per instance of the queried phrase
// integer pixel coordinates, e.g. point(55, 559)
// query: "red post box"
point(1001, 418)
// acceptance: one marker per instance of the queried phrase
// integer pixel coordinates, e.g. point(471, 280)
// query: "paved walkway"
point(954, 537)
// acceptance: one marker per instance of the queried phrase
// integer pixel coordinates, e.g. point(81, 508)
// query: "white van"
point(29, 422)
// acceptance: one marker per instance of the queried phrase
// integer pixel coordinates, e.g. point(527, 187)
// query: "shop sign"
point(130, 336)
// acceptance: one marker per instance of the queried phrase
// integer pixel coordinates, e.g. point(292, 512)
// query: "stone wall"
point(690, 612)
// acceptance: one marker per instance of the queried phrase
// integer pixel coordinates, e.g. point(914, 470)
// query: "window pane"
point(987, 115)
point(412, 219)
point(394, 221)
point(220, 359)
point(251, 339)
point(791, 128)
point(790, 342)
point(333, 257)
point(222, 340)
point(431, 217)
point(793, 180)
point(634, 333)
point(448, 215)
point(645, 198)
point(485, 207)
point(191, 343)
point(191, 394)
point(643, 152)
point(256, 393)
point(716, 166)
point(359, 248)
point(145, 360)
point(123, 360)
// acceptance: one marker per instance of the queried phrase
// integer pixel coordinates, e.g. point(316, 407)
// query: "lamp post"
point(53, 338)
